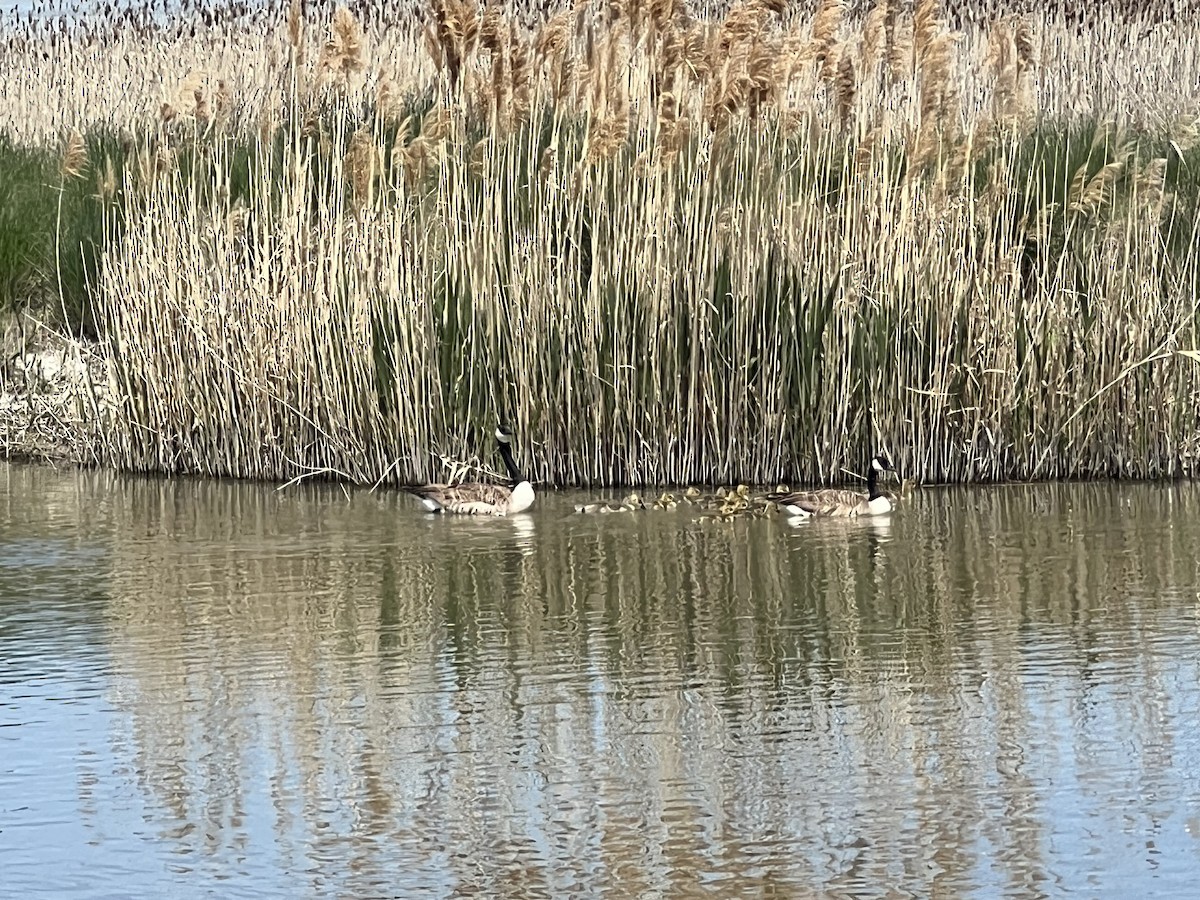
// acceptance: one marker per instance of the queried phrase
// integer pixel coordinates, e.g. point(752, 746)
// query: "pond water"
point(219, 689)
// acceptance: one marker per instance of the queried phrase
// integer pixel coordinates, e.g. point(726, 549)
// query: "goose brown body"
point(475, 499)
point(839, 503)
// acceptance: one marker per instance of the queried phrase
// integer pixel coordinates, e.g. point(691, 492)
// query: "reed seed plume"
point(343, 55)
point(1026, 53)
point(295, 30)
point(492, 28)
point(826, 22)
point(74, 156)
point(899, 46)
point(453, 35)
point(939, 87)
point(874, 35)
point(1089, 193)
point(521, 74)
point(847, 89)
point(1151, 188)
point(360, 163)
point(389, 99)
point(926, 26)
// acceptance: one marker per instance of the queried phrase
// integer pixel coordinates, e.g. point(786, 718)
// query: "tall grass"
point(667, 249)
point(52, 224)
point(20, 242)
point(51, 228)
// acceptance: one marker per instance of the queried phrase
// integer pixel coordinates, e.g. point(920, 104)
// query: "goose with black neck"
point(479, 499)
point(836, 503)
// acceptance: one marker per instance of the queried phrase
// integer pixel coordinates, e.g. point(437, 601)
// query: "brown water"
point(213, 689)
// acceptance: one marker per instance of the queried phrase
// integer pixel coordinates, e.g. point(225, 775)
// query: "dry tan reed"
point(665, 248)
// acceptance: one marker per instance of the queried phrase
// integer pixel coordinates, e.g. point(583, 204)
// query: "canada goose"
point(481, 499)
point(836, 503)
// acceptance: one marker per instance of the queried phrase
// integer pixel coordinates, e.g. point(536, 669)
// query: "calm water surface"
point(212, 689)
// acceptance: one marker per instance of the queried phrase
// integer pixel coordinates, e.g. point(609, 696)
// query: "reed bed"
point(668, 248)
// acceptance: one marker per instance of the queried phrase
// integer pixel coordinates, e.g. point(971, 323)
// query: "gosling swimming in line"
point(479, 499)
point(837, 503)
point(631, 503)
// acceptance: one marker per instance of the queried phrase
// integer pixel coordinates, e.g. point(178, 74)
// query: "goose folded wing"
point(820, 503)
point(466, 499)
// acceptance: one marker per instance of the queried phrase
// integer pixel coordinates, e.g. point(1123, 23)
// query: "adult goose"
point(482, 499)
point(835, 503)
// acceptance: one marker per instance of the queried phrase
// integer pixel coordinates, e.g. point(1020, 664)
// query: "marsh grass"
point(666, 249)
point(52, 225)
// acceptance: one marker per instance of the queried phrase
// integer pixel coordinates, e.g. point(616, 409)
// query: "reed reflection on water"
point(213, 687)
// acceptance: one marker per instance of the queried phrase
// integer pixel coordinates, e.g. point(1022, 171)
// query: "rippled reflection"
point(327, 692)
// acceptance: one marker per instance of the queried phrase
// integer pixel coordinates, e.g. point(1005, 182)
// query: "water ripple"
point(221, 689)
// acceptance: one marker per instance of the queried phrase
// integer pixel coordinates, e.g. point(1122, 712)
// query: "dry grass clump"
point(667, 248)
point(49, 401)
